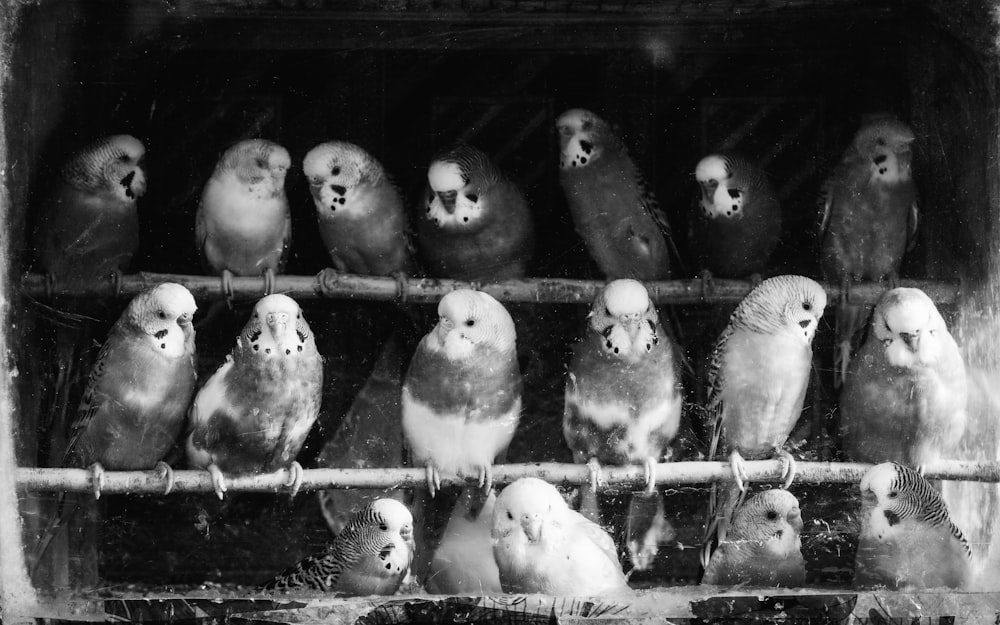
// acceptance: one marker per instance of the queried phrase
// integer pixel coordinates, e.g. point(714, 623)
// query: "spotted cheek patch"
point(736, 202)
point(881, 163)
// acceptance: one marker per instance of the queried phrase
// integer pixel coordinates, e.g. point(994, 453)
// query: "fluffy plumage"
point(463, 562)
point(623, 391)
point(869, 219)
point(542, 546)
point(254, 412)
point(462, 391)
point(904, 396)
point(737, 221)
point(475, 223)
point(617, 217)
point(359, 210)
point(371, 556)
point(907, 537)
point(762, 547)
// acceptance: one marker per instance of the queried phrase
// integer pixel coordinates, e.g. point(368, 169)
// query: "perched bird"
point(461, 398)
point(243, 225)
point(543, 546)
point(904, 397)
point(623, 394)
point(737, 222)
point(907, 537)
point(254, 412)
point(463, 562)
point(476, 224)
point(869, 220)
point(371, 556)
point(359, 210)
point(617, 217)
point(89, 226)
point(763, 547)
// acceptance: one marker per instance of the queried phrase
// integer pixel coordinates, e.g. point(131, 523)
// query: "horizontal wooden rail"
point(331, 284)
point(668, 473)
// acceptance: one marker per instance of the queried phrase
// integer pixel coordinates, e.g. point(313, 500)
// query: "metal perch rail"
point(334, 285)
point(633, 476)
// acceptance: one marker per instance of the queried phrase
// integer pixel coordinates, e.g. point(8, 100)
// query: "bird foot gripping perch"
point(294, 481)
point(166, 473)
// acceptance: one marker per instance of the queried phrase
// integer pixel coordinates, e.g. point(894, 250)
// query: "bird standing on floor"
point(907, 537)
point(623, 397)
point(904, 396)
point(762, 547)
point(736, 223)
point(869, 220)
point(475, 223)
point(254, 412)
point(617, 217)
point(371, 556)
point(243, 225)
point(360, 212)
point(543, 546)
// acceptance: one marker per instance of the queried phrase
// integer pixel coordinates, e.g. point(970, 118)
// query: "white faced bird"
point(617, 217)
point(904, 397)
point(371, 556)
point(762, 547)
point(253, 413)
point(623, 391)
point(736, 223)
point(243, 224)
point(543, 546)
point(475, 223)
point(89, 225)
point(869, 219)
point(461, 398)
point(359, 210)
point(907, 537)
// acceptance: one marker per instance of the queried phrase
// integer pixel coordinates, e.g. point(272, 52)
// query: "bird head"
point(771, 519)
point(625, 320)
point(277, 329)
point(719, 198)
point(526, 511)
point(110, 165)
point(457, 181)
point(889, 496)
point(335, 170)
point(164, 314)
point(909, 326)
point(886, 144)
point(787, 303)
point(390, 516)
point(581, 138)
point(258, 163)
point(468, 320)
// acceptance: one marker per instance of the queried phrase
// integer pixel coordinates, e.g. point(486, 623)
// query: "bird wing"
point(92, 401)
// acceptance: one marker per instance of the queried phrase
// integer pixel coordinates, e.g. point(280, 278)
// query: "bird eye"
point(335, 171)
point(772, 515)
point(510, 516)
point(163, 315)
point(807, 306)
point(893, 494)
point(880, 141)
point(383, 527)
point(470, 322)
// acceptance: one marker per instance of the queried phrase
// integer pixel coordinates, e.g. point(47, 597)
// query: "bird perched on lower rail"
point(254, 412)
point(907, 537)
point(543, 546)
point(762, 547)
point(371, 556)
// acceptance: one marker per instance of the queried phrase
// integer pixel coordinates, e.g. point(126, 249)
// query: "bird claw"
point(269, 281)
point(595, 473)
point(167, 475)
point(97, 479)
point(738, 467)
point(227, 287)
point(787, 467)
point(218, 480)
point(294, 481)
point(402, 292)
point(433, 479)
point(650, 473)
point(707, 285)
point(486, 477)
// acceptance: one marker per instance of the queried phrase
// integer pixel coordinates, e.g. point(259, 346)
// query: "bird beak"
point(912, 340)
point(795, 519)
point(631, 324)
point(184, 320)
point(448, 200)
point(406, 533)
point(532, 526)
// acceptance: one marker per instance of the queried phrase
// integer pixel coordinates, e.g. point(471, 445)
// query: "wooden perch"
point(667, 474)
point(331, 284)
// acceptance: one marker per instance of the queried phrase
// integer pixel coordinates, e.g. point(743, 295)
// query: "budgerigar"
point(463, 562)
point(907, 537)
point(371, 556)
point(623, 396)
point(359, 210)
point(904, 396)
point(543, 546)
point(475, 223)
point(736, 223)
point(243, 225)
point(254, 412)
point(762, 547)
point(461, 398)
point(869, 219)
point(617, 217)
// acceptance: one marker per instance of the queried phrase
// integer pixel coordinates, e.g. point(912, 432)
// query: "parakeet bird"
point(359, 210)
point(617, 217)
point(476, 224)
point(463, 562)
point(623, 394)
point(904, 397)
point(907, 537)
point(736, 223)
point(762, 547)
point(243, 225)
point(461, 398)
point(371, 556)
point(254, 412)
point(543, 546)
point(89, 225)
point(869, 220)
